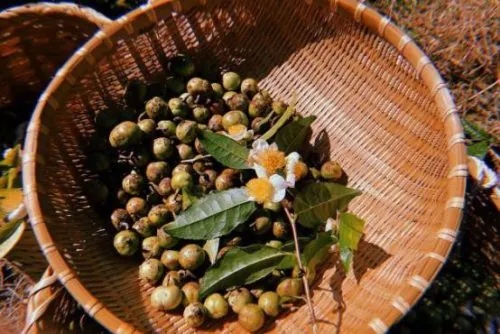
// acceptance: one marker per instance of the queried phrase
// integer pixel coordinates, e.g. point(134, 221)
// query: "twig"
point(312, 316)
point(483, 90)
point(196, 158)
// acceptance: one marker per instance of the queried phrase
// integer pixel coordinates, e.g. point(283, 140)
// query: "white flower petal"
point(279, 196)
point(280, 185)
point(259, 145)
point(329, 224)
point(273, 147)
point(291, 161)
point(290, 180)
point(259, 170)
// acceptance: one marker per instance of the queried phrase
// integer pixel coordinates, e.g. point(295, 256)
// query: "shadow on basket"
point(381, 121)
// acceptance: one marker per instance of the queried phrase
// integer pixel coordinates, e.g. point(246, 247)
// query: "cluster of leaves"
point(220, 213)
point(479, 141)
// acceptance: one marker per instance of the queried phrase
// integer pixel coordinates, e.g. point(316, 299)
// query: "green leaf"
point(212, 249)
point(213, 216)
point(350, 230)
point(188, 198)
point(241, 266)
point(10, 234)
point(290, 246)
point(481, 139)
point(346, 258)
point(293, 136)
point(225, 150)
point(283, 119)
point(316, 251)
point(479, 149)
point(319, 201)
point(474, 131)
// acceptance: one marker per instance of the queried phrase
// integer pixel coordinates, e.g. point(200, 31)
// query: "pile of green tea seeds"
point(154, 167)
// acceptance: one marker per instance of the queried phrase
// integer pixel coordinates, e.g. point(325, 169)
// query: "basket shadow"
point(377, 256)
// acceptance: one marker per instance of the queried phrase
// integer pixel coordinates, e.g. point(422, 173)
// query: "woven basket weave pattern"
point(35, 40)
point(395, 136)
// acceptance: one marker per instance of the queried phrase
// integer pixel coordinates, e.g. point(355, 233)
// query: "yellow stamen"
point(260, 189)
point(271, 160)
point(300, 170)
point(236, 129)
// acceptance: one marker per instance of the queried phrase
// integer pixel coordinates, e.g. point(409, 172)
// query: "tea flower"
point(295, 169)
point(239, 132)
point(266, 159)
point(263, 189)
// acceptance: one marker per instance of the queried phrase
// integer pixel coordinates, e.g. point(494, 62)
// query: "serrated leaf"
point(351, 229)
point(225, 150)
point(346, 258)
point(474, 131)
point(283, 119)
point(319, 201)
point(10, 234)
point(316, 251)
point(292, 137)
point(213, 216)
point(478, 149)
point(241, 266)
point(212, 249)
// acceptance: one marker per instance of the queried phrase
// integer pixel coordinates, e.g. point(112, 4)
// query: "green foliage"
point(319, 201)
point(242, 266)
point(213, 216)
point(225, 150)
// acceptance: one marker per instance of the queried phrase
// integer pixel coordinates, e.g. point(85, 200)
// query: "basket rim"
point(69, 9)
point(146, 16)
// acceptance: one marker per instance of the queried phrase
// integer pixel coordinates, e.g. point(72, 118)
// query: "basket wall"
point(389, 124)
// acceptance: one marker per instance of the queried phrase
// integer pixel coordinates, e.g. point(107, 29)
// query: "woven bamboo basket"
point(35, 40)
point(389, 117)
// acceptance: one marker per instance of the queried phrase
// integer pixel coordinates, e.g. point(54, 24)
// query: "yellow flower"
point(265, 189)
point(266, 159)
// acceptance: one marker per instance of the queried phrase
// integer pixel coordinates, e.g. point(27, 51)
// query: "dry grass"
point(14, 291)
point(462, 37)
